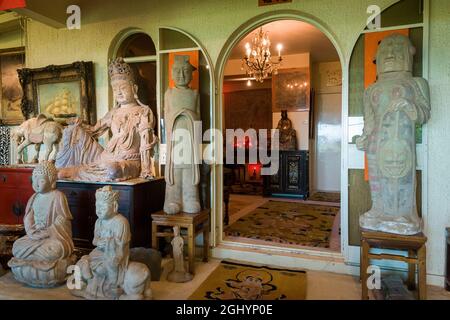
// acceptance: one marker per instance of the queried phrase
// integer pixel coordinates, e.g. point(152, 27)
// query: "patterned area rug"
point(232, 281)
point(287, 222)
point(326, 197)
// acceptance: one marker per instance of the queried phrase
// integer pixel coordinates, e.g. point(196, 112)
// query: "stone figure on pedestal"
point(107, 272)
point(392, 108)
point(178, 274)
point(288, 136)
point(42, 256)
point(129, 152)
point(182, 109)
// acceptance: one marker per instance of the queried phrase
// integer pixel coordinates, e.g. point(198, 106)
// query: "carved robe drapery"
point(58, 226)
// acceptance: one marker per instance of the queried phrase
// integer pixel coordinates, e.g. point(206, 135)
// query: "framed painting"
point(11, 91)
point(59, 92)
point(291, 90)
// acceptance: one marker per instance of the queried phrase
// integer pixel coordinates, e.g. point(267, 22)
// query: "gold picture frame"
point(11, 91)
point(60, 92)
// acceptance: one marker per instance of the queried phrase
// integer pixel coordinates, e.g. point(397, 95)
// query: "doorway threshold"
point(311, 259)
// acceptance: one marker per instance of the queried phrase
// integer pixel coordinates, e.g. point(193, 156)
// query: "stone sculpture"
point(38, 131)
point(178, 274)
point(129, 152)
point(288, 136)
point(107, 272)
point(182, 109)
point(42, 256)
point(392, 108)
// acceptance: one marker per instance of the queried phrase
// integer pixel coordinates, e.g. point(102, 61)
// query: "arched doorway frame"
point(232, 41)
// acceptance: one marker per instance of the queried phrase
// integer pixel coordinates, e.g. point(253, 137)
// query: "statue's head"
point(182, 71)
point(176, 231)
point(44, 177)
point(395, 54)
point(122, 82)
point(106, 203)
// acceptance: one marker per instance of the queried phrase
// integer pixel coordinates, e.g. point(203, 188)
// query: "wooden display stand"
point(194, 223)
point(415, 247)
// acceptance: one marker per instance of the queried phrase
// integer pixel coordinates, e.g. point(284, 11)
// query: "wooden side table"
point(194, 223)
point(414, 245)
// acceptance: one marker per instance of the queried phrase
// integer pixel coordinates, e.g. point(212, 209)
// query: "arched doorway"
point(225, 64)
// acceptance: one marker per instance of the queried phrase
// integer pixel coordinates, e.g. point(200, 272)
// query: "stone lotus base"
point(383, 223)
point(42, 277)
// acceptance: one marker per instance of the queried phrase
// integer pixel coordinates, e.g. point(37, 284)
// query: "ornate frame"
point(81, 71)
point(10, 52)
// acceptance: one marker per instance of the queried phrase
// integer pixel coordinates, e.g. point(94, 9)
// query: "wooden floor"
point(320, 286)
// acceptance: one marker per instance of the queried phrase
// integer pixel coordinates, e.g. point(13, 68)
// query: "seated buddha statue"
point(288, 136)
point(41, 257)
point(129, 151)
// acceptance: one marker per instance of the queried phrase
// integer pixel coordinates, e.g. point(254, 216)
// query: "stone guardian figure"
point(178, 274)
point(392, 108)
point(42, 256)
point(107, 272)
point(182, 109)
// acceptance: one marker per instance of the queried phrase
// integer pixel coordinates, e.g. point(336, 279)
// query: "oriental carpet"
point(291, 223)
point(235, 281)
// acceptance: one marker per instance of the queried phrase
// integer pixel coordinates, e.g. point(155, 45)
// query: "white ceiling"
point(296, 37)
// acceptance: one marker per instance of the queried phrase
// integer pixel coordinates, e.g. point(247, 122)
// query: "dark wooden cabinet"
point(292, 178)
point(137, 201)
point(15, 190)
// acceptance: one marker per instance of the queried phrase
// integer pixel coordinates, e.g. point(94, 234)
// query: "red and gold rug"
point(234, 281)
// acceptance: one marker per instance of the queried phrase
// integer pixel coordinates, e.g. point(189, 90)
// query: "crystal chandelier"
point(258, 63)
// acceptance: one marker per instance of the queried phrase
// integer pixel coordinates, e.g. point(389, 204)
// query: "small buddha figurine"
point(107, 272)
point(178, 274)
point(288, 136)
point(42, 256)
point(392, 108)
point(129, 152)
point(182, 109)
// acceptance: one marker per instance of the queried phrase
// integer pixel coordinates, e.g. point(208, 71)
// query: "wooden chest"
point(139, 198)
point(15, 190)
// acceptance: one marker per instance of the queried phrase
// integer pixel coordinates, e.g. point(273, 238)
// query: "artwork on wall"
point(291, 90)
point(11, 92)
point(60, 92)
point(5, 138)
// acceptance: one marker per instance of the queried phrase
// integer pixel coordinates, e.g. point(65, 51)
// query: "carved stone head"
point(122, 82)
point(395, 54)
point(182, 71)
point(44, 177)
point(106, 203)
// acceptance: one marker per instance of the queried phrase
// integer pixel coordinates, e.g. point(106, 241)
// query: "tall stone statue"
point(182, 109)
point(178, 274)
point(129, 152)
point(107, 272)
point(42, 256)
point(288, 136)
point(392, 108)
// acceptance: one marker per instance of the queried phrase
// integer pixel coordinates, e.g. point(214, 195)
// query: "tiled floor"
point(320, 286)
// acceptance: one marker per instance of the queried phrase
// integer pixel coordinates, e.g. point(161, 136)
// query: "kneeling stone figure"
point(107, 272)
